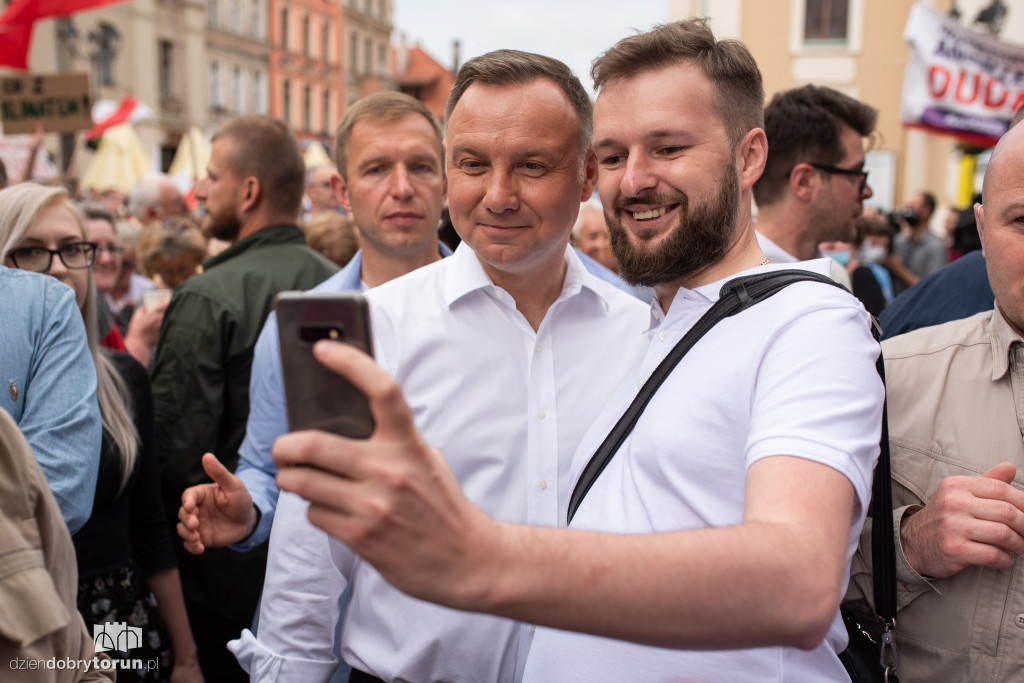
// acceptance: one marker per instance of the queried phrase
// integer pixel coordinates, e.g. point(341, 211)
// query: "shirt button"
point(541, 414)
point(640, 383)
point(1019, 621)
point(543, 484)
point(539, 346)
point(663, 335)
point(500, 294)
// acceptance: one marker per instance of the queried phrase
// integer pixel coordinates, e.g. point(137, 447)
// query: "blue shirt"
point(956, 291)
point(48, 385)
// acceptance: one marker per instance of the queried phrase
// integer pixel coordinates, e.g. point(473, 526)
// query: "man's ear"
point(589, 175)
point(751, 157)
point(339, 188)
point(802, 179)
point(979, 218)
point(252, 194)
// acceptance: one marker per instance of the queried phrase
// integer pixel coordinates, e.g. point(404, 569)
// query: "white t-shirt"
point(507, 406)
point(793, 375)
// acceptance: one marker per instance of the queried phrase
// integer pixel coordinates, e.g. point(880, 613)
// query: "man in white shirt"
point(735, 504)
point(501, 349)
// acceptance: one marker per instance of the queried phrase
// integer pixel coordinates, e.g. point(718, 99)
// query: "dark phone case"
point(317, 398)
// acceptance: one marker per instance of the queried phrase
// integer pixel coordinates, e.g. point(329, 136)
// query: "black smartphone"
point(317, 398)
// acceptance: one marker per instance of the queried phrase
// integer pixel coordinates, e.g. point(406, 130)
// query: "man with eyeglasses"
point(814, 184)
point(319, 196)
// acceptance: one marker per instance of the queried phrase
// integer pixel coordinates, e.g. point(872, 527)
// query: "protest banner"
point(959, 82)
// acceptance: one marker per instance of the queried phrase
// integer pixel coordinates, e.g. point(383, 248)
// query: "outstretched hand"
point(391, 498)
point(968, 521)
point(218, 514)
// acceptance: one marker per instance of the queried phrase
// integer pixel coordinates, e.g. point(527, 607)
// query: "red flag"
point(17, 20)
point(121, 114)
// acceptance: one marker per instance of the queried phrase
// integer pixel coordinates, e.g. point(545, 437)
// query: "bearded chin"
point(703, 235)
point(223, 226)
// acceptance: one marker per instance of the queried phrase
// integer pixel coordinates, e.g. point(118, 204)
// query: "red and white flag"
point(18, 18)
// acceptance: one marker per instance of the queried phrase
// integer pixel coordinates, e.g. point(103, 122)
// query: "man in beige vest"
point(955, 424)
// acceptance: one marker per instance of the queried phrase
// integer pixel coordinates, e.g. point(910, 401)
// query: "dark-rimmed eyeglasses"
point(76, 256)
point(862, 174)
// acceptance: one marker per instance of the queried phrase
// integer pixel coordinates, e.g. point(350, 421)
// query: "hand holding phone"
point(318, 398)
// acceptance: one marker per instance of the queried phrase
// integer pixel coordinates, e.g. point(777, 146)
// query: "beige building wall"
point(869, 65)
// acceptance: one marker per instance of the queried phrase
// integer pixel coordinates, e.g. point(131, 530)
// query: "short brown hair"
point(512, 67)
point(803, 125)
point(166, 241)
point(728, 64)
point(333, 235)
point(382, 106)
point(265, 148)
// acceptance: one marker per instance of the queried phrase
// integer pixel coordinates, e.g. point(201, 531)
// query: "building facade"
point(150, 49)
point(307, 88)
point(856, 47)
point(367, 39)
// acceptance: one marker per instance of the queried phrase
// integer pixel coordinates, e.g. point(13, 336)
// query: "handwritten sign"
point(61, 102)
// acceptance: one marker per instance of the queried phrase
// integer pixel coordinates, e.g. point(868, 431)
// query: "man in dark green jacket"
point(252, 195)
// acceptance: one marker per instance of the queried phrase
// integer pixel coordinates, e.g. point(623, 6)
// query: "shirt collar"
point(1002, 338)
point(466, 274)
point(272, 234)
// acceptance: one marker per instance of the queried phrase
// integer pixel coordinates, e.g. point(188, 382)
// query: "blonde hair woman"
point(41, 231)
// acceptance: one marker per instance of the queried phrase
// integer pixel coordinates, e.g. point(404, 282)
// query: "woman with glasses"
point(126, 535)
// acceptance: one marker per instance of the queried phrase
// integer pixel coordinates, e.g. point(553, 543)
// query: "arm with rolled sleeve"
point(306, 574)
point(268, 419)
point(61, 417)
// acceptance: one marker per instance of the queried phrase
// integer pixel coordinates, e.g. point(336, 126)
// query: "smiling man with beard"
point(252, 195)
point(715, 544)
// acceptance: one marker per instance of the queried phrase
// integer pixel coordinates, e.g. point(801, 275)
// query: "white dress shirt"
point(793, 375)
point(507, 406)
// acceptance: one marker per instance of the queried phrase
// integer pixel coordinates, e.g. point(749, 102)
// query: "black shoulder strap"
point(736, 295)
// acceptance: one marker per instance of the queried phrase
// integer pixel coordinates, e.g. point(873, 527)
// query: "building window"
point(254, 20)
point(286, 101)
point(307, 108)
point(382, 6)
point(235, 17)
point(368, 65)
point(216, 94)
point(284, 28)
point(326, 40)
point(104, 44)
point(353, 53)
point(305, 35)
point(382, 59)
point(826, 19)
point(237, 96)
point(166, 49)
point(259, 89)
point(211, 13)
point(326, 110)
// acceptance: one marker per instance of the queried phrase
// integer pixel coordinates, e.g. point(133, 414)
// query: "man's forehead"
point(380, 136)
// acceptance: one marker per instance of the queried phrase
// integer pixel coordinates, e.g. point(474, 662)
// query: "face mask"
point(875, 253)
point(841, 256)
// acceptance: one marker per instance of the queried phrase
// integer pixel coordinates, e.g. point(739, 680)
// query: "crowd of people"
point(152, 479)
